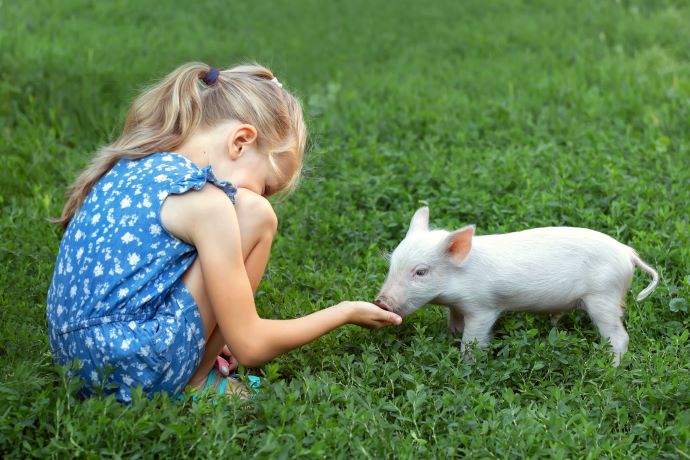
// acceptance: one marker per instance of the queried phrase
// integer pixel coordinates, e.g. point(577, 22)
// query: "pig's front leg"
point(478, 325)
point(456, 322)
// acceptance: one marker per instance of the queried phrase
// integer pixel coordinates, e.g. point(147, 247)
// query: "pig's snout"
point(383, 302)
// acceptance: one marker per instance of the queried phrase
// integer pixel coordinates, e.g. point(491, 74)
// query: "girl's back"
point(117, 265)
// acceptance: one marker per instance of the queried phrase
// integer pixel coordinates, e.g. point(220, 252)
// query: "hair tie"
point(211, 76)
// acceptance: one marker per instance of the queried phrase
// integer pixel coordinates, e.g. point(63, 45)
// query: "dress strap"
point(229, 189)
point(196, 177)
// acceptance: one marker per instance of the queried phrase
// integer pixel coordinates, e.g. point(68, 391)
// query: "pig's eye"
point(421, 271)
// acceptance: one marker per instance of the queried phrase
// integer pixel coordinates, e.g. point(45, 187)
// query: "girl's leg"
point(258, 224)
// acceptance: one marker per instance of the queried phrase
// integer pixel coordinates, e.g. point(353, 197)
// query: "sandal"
point(253, 383)
point(217, 383)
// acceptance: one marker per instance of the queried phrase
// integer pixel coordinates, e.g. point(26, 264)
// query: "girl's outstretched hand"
point(368, 315)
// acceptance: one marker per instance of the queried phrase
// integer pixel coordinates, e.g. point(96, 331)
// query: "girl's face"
point(253, 170)
point(247, 165)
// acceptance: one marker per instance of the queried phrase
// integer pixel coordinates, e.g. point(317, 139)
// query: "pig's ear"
point(459, 243)
point(420, 221)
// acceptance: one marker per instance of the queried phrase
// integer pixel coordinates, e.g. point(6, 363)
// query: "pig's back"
point(557, 265)
point(550, 238)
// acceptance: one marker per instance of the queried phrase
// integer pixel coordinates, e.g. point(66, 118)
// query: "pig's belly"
point(549, 296)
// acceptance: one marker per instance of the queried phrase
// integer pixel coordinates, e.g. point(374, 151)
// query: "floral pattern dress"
point(118, 310)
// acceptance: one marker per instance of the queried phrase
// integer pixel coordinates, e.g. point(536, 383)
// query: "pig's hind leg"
point(606, 312)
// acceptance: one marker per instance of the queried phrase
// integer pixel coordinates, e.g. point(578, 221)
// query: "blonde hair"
point(164, 116)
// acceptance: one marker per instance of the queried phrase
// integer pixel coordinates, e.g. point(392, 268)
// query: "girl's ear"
point(459, 244)
point(420, 221)
point(240, 138)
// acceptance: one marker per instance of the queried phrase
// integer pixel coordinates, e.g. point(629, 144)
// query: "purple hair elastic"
point(211, 76)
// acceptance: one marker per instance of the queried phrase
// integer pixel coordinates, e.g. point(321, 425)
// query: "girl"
point(168, 233)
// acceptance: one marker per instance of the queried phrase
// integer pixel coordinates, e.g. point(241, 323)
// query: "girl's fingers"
point(394, 319)
point(368, 315)
point(231, 361)
point(389, 321)
point(385, 317)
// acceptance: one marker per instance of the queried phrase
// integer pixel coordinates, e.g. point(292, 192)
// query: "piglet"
point(545, 270)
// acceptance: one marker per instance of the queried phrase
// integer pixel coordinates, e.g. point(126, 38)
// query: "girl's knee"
point(255, 214)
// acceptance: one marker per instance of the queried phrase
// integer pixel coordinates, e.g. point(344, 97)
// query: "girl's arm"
point(208, 221)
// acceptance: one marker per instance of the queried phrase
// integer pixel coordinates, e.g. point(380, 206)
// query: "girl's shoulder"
point(182, 213)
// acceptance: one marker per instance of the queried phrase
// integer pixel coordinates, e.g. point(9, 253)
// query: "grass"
point(505, 114)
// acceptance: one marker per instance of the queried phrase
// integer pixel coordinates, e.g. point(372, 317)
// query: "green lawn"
point(507, 114)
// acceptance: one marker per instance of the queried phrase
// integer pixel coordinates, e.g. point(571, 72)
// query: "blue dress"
point(117, 303)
